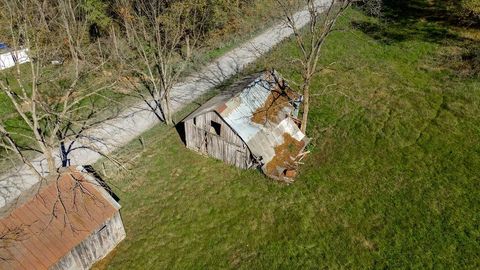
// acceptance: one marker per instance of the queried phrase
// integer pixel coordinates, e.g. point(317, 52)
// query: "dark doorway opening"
point(217, 127)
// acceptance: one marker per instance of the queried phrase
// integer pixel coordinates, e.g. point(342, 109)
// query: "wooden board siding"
point(95, 247)
point(200, 136)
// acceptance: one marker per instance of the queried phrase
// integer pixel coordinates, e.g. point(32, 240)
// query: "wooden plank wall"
point(95, 247)
point(228, 146)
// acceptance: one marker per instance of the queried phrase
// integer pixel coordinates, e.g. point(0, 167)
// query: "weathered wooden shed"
point(253, 124)
point(71, 222)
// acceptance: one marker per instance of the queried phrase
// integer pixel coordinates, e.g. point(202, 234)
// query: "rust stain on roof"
point(273, 110)
point(284, 161)
point(44, 229)
point(222, 108)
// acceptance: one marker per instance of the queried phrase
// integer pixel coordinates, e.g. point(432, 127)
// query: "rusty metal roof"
point(223, 97)
point(60, 216)
point(259, 109)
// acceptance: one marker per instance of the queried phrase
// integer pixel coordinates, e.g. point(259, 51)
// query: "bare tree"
point(8, 235)
point(61, 92)
point(50, 103)
point(163, 35)
point(323, 17)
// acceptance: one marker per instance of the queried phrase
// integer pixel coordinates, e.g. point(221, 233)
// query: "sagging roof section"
point(261, 109)
point(45, 228)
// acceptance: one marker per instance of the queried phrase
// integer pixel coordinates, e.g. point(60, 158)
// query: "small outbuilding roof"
point(65, 211)
point(260, 109)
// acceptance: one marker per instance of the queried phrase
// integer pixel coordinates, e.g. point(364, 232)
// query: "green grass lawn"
point(393, 179)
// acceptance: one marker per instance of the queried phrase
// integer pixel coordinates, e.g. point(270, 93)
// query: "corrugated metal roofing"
point(60, 216)
point(259, 109)
point(223, 97)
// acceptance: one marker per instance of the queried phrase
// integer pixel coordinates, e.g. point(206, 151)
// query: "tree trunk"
point(47, 153)
point(115, 45)
point(167, 114)
point(306, 105)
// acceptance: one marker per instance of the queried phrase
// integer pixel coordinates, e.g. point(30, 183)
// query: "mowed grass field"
point(392, 181)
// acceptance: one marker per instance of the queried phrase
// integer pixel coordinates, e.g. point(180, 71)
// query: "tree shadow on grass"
point(392, 32)
point(415, 20)
point(446, 13)
point(434, 21)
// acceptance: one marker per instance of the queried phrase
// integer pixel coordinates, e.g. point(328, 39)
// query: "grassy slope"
point(393, 179)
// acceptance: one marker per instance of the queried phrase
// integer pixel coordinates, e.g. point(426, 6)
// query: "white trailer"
point(9, 57)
